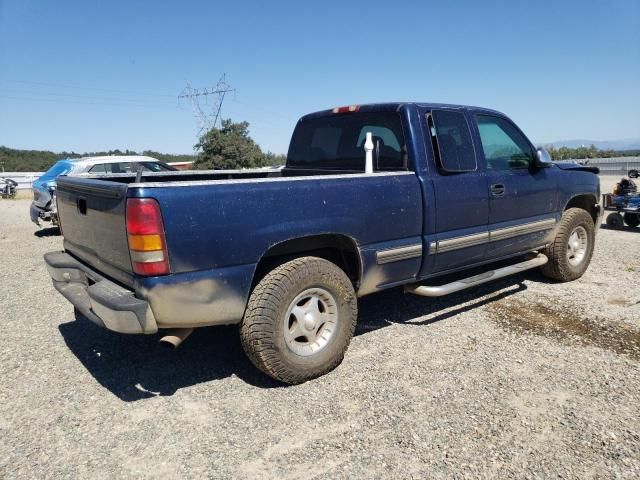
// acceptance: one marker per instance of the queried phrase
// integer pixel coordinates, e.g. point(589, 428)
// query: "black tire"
point(632, 219)
point(633, 173)
point(614, 220)
point(262, 330)
point(560, 266)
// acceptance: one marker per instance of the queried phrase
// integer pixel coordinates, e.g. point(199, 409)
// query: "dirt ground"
point(519, 378)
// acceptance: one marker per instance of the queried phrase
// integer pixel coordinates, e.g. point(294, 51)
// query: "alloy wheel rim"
point(577, 246)
point(311, 321)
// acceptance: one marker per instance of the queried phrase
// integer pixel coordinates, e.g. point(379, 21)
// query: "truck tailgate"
point(92, 216)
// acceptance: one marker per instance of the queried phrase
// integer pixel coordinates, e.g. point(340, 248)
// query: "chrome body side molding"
point(508, 232)
point(462, 242)
point(454, 243)
point(397, 254)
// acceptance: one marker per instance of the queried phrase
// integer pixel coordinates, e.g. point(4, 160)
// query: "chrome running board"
point(440, 290)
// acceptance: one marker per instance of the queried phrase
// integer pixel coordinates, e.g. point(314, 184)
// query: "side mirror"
point(543, 159)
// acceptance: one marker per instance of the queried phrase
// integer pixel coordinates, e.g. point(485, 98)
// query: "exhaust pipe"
point(175, 337)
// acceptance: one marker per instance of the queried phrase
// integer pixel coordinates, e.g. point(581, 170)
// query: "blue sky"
point(88, 75)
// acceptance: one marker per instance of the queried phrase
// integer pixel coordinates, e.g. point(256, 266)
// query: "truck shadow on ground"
point(135, 367)
point(624, 228)
point(395, 306)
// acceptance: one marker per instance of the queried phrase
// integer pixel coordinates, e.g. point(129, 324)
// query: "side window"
point(151, 167)
point(451, 141)
point(119, 167)
point(503, 145)
point(98, 169)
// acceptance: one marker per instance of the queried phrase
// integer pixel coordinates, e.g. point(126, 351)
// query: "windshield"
point(337, 142)
point(59, 168)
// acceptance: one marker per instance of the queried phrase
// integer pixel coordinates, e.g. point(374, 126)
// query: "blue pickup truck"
point(372, 197)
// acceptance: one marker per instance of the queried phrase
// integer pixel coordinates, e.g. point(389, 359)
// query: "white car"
point(43, 206)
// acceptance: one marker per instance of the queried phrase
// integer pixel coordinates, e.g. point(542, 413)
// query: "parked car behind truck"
point(43, 206)
point(286, 254)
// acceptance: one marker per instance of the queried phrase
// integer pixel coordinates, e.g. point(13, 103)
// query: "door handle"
point(497, 190)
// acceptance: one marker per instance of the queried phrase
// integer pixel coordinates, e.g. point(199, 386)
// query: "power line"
point(89, 97)
point(139, 101)
point(265, 110)
point(58, 85)
point(207, 116)
point(82, 102)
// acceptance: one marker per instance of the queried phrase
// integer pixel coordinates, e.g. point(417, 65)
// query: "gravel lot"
point(518, 378)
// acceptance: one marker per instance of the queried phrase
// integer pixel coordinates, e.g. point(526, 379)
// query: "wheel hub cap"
point(311, 321)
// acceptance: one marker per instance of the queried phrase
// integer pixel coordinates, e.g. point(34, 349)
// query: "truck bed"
point(217, 220)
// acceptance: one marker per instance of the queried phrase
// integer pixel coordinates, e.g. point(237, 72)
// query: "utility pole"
point(207, 113)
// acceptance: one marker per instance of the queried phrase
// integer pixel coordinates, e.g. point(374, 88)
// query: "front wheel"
point(299, 320)
point(571, 249)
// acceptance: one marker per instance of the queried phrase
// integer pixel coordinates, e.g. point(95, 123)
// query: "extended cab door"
point(460, 190)
point(522, 197)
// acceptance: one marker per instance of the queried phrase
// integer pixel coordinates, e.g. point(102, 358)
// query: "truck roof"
point(392, 106)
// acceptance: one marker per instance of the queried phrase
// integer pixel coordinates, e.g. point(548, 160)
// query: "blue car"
point(43, 206)
point(44, 191)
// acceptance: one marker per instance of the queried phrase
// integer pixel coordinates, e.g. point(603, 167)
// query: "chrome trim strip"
point(465, 241)
point(508, 232)
point(462, 242)
point(190, 183)
point(397, 254)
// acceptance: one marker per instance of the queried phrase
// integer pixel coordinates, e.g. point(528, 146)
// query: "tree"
point(15, 160)
point(274, 159)
point(229, 147)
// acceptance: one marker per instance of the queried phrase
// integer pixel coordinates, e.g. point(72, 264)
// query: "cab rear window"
point(337, 142)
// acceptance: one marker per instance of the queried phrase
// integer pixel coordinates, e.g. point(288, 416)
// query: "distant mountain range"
point(626, 144)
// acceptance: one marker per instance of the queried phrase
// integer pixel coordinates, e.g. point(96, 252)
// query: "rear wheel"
point(299, 320)
point(572, 247)
point(632, 219)
point(614, 220)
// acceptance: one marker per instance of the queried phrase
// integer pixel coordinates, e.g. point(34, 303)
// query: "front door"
point(522, 196)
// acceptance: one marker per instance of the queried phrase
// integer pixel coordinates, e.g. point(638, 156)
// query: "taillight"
point(145, 232)
point(347, 109)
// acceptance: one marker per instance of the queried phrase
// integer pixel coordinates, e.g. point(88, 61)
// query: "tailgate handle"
point(81, 203)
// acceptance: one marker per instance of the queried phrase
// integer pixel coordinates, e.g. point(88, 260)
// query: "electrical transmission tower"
point(206, 112)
